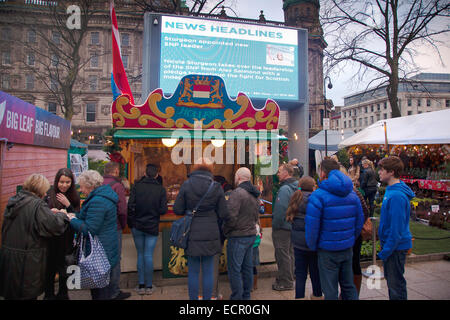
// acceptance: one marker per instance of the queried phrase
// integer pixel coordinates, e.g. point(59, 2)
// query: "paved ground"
point(425, 280)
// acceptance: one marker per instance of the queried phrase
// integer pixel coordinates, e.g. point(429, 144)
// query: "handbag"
point(181, 228)
point(366, 232)
point(94, 268)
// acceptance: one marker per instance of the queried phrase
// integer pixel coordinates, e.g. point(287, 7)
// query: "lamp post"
point(330, 86)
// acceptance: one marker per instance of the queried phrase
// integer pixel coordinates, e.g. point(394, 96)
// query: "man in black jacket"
point(148, 201)
point(240, 229)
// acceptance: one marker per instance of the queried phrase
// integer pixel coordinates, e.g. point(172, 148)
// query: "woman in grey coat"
point(204, 239)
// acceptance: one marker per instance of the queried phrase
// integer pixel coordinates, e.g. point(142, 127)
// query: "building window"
point(6, 34)
point(409, 102)
point(428, 102)
point(95, 38)
point(93, 83)
point(31, 36)
point(29, 82)
point(365, 121)
point(56, 37)
point(419, 112)
point(125, 40)
point(90, 112)
point(94, 60)
point(5, 81)
point(354, 123)
point(350, 123)
point(447, 103)
point(378, 117)
point(53, 83)
point(385, 115)
point(52, 107)
point(6, 57)
point(360, 122)
point(345, 114)
point(345, 124)
point(30, 59)
point(55, 60)
point(125, 61)
point(385, 105)
point(365, 109)
point(378, 107)
point(409, 113)
point(371, 119)
point(419, 102)
point(371, 108)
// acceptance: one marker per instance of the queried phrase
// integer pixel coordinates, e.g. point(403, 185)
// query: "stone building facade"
point(22, 48)
point(425, 92)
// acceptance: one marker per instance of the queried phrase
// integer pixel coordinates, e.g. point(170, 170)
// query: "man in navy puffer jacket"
point(334, 219)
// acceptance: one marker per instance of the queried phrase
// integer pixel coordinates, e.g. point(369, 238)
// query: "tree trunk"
point(392, 92)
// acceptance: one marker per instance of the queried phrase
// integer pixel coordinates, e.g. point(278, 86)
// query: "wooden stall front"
point(166, 131)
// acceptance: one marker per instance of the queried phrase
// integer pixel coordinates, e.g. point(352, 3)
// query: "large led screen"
point(259, 60)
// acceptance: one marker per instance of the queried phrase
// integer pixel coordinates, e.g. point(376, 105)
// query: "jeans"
point(206, 265)
point(284, 256)
point(145, 246)
point(394, 268)
point(115, 273)
point(240, 266)
point(306, 261)
point(105, 293)
point(335, 268)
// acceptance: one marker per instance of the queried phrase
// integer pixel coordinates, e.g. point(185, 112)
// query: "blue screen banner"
point(258, 60)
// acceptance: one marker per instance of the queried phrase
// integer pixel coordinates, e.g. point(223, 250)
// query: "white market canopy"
point(334, 137)
point(425, 128)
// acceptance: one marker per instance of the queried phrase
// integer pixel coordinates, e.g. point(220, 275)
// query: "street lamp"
point(330, 86)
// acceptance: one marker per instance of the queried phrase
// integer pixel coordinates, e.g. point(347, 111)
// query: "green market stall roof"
point(165, 133)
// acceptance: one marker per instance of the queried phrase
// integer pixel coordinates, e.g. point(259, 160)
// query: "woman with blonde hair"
point(28, 224)
point(204, 239)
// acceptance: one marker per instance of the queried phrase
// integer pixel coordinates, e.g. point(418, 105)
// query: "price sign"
point(435, 208)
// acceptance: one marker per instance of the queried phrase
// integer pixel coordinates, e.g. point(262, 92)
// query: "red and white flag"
point(201, 91)
point(120, 77)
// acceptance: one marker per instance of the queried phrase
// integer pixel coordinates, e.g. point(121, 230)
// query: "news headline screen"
point(258, 60)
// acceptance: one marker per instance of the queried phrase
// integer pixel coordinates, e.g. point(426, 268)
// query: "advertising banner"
point(21, 122)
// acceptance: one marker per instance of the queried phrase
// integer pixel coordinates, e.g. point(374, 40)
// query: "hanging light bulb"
point(169, 142)
point(218, 143)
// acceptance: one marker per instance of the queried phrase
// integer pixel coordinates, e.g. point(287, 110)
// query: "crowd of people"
point(316, 228)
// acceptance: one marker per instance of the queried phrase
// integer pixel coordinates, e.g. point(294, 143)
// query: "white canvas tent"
point(334, 137)
point(425, 128)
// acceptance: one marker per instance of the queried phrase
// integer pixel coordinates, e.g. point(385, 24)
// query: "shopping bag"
point(94, 268)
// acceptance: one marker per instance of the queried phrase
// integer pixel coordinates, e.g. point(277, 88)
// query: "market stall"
point(198, 120)
point(422, 142)
point(32, 140)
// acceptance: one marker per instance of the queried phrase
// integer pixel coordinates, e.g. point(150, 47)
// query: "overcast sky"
point(427, 59)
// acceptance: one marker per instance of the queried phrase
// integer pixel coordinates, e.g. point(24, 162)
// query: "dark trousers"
point(335, 269)
point(115, 272)
point(356, 263)
point(240, 266)
point(306, 261)
point(105, 293)
point(394, 268)
point(56, 264)
point(369, 197)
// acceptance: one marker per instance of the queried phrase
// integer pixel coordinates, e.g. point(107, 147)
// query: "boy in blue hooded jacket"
point(334, 219)
point(395, 237)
